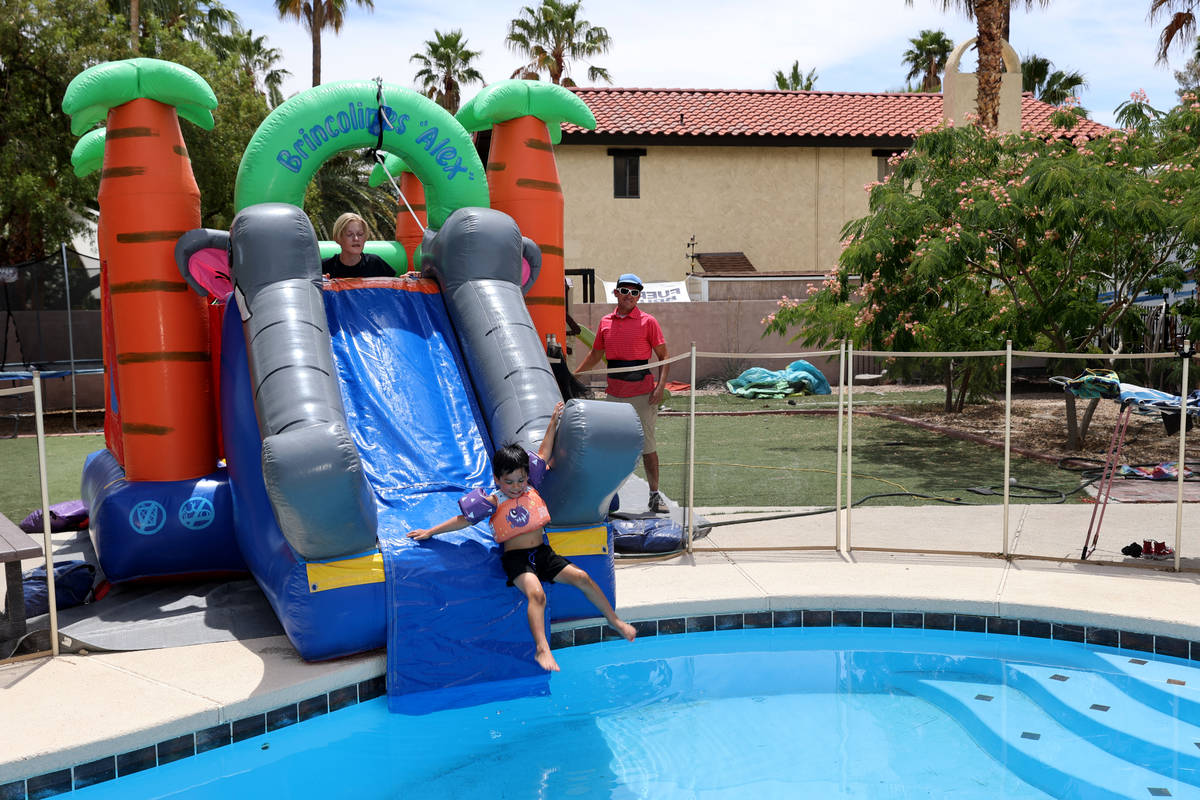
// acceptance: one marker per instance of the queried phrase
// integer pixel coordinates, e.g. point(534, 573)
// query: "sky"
point(716, 44)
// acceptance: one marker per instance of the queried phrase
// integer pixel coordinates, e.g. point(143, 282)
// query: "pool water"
point(772, 713)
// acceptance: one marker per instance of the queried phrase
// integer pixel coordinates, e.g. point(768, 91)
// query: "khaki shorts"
point(647, 414)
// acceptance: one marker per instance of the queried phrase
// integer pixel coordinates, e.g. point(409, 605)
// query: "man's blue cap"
point(630, 279)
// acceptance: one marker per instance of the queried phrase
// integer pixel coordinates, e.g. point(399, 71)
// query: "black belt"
point(632, 376)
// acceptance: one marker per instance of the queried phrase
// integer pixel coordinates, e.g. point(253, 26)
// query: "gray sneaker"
point(658, 505)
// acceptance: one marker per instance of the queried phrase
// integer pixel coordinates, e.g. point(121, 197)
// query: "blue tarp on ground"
point(452, 622)
point(799, 377)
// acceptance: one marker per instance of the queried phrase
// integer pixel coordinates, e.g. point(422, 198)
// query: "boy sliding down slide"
point(518, 517)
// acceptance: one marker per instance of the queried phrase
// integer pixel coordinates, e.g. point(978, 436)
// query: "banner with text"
point(661, 292)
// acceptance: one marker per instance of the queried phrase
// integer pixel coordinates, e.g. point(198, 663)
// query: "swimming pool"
point(770, 713)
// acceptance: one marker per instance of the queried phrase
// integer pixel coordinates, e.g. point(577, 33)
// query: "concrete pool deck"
point(74, 710)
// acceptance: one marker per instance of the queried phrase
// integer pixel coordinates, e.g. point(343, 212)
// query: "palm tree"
point(200, 20)
point(550, 36)
point(446, 68)
point(260, 62)
point(992, 26)
point(1182, 22)
point(1049, 85)
point(316, 16)
point(926, 59)
point(795, 80)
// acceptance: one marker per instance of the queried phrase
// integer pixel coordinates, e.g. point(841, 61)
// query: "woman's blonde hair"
point(345, 219)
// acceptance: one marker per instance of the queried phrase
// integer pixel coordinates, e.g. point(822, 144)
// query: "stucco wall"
point(784, 207)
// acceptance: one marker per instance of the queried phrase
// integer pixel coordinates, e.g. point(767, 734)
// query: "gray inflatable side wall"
point(476, 257)
point(313, 474)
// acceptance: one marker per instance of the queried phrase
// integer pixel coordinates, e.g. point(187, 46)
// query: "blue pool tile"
point(701, 624)
point(1106, 637)
point(12, 791)
point(212, 738)
point(788, 619)
point(1158, 791)
point(249, 727)
point(372, 688)
point(729, 622)
point(560, 639)
point(1036, 628)
point(877, 619)
point(175, 749)
point(312, 707)
point(847, 619)
point(908, 619)
point(1067, 633)
point(671, 626)
point(282, 717)
point(589, 635)
point(817, 619)
point(1137, 641)
point(1003, 625)
point(757, 619)
point(939, 622)
point(646, 627)
point(1031, 735)
point(608, 633)
point(93, 772)
point(341, 698)
point(136, 761)
point(1170, 646)
point(974, 623)
point(48, 785)
point(1195, 656)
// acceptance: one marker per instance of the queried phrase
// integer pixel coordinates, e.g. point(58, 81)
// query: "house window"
point(883, 168)
point(626, 171)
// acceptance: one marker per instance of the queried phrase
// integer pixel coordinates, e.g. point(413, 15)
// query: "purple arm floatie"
point(476, 505)
point(537, 469)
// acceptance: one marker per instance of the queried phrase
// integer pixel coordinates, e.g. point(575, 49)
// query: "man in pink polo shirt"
point(627, 337)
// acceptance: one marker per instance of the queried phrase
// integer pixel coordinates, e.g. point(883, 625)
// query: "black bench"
point(15, 544)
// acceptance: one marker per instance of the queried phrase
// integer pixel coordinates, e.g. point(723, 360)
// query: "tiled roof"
point(725, 262)
point(735, 112)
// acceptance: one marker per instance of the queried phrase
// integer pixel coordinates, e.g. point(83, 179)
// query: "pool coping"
point(581, 633)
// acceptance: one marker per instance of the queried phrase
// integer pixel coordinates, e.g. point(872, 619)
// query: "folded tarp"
point(799, 377)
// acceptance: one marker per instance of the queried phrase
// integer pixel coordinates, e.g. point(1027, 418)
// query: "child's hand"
point(558, 410)
point(419, 534)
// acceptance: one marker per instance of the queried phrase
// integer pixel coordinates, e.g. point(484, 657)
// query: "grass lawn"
point(790, 460)
point(20, 491)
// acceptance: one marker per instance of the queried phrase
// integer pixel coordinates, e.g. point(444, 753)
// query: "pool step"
point(1036, 747)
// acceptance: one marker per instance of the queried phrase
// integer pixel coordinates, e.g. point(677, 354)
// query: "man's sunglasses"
point(624, 290)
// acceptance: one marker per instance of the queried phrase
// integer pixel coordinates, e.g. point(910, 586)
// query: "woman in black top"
point(350, 232)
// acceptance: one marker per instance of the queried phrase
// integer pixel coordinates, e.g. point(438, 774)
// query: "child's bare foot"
point(546, 659)
point(625, 629)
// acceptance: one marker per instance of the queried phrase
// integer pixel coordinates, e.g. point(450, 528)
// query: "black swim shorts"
point(542, 561)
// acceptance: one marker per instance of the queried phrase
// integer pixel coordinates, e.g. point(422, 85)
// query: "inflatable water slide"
point(323, 420)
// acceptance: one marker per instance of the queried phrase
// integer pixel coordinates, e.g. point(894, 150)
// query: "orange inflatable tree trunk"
point(523, 177)
point(159, 347)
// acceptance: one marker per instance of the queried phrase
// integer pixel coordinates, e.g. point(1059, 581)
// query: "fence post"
point(837, 498)
point(1007, 433)
point(691, 453)
point(1186, 354)
point(46, 544)
point(849, 437)
point(70, 341)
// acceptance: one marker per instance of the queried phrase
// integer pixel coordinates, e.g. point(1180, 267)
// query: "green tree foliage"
point(317, 16)
point(200, 20)
point(445, 68)
point(43, 44)
point(976, 238)
point(552, 35)
point(926, 58)
point(796, 80)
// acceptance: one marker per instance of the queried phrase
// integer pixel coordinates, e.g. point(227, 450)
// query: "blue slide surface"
point(452, 622)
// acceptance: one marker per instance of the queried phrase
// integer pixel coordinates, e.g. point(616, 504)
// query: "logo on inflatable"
point(356, 118)
point(148, 517)
point(196, 513)
point(518, 516)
